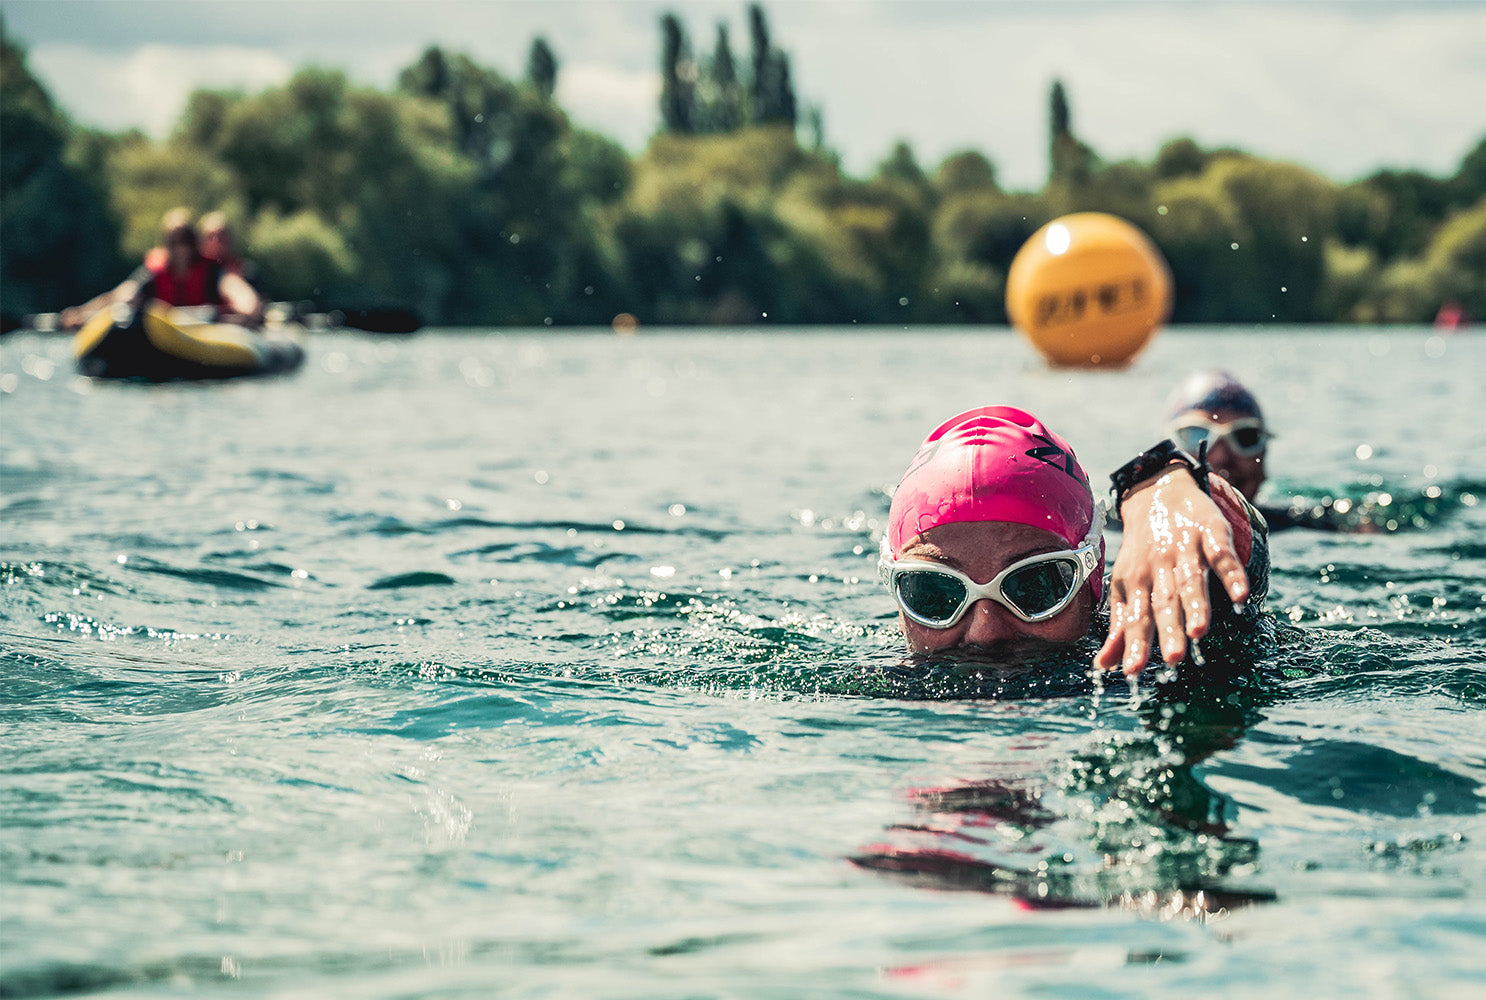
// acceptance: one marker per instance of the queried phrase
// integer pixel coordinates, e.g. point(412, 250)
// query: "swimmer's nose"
point(1221, 459)
point(990, 623)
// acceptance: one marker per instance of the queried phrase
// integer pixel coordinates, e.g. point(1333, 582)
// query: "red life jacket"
point(197, 288)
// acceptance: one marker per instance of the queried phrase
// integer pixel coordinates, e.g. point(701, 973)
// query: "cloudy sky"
point(1342, 86)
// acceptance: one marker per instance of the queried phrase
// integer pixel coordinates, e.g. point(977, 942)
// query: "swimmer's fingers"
point(1113, 648)
point(1191, 585)
point(1217, 549)
point(1108, 656)
point(1130, 628)
point(1168, 607)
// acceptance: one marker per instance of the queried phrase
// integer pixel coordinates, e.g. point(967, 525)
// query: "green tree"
point(1060, 118)
point(901, 168)
point(977, 232)
point(721, 97)
point(60, 241)
point(1452, 267)
point(1351, 276)
point(1180, 158)
point(541, 68)
point(1469, 183)
point(1073, 163)
point(518, 233)
point(429, 76)
point(1456, 258)
point(380, 170)
point(965, 172)
point(678, 75)
point(772, 90)
point(1414, 204)
point(1246, 241)
point(595, 168)
point(301, 256)
point(763, 99)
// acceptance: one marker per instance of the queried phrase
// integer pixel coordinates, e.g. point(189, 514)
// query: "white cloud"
point(147, 87)
point(622, 104)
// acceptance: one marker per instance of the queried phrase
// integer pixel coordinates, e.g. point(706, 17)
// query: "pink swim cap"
point(995, 463)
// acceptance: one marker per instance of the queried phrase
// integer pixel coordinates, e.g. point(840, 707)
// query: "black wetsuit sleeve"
point(1318, 517)
point(1257, 566)
point(1232, 628)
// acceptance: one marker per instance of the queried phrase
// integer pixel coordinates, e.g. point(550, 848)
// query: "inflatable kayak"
point(162, 345)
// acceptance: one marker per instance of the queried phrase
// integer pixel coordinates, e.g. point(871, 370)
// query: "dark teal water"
point(555, 665)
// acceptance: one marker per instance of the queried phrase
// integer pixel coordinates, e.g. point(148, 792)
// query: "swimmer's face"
point(1244, 472)
point(981, 549)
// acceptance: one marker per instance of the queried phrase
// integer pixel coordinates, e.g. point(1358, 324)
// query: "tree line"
point(474, 199)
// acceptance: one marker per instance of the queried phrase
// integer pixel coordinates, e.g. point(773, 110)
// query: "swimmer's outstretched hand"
point(1174, 534)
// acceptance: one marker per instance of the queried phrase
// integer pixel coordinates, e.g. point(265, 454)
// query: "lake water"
point(555, 665)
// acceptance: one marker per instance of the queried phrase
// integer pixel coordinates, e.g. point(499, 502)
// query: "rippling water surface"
point(554, 665)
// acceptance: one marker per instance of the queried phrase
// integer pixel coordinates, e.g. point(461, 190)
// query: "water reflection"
point(1126, 823)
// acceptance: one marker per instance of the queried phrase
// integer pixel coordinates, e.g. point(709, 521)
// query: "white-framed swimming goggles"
point(1246, 436)
point(1034, 589)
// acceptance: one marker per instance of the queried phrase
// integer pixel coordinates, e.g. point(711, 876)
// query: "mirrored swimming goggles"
point(1247, 436)
point(1034, 589)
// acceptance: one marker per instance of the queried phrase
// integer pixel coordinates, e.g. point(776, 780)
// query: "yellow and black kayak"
point(161, 344)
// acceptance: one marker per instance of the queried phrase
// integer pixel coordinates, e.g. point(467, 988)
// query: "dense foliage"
point(473, 199)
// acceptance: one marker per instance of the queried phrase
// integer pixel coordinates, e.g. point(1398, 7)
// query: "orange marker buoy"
point(1088, 289)
point(625, 324)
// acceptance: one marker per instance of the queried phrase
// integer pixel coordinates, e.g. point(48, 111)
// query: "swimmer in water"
point(995, 538)
point(1214, 408)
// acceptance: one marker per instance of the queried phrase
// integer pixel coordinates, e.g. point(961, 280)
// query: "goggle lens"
point(1248, 438)
point(1040, 588)
point(1190, 438)
point(934, 597)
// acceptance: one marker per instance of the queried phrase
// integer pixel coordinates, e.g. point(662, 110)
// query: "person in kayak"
point(219, 244)
point(177, 274)
point(995, 541)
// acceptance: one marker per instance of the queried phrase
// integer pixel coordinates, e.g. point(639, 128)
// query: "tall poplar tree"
point(1073, 162)
point(678, 78)
point(541, 68)
point(725, 111)
point(772, 91)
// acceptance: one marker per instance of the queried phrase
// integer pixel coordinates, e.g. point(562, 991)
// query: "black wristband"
point(1153, 460)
